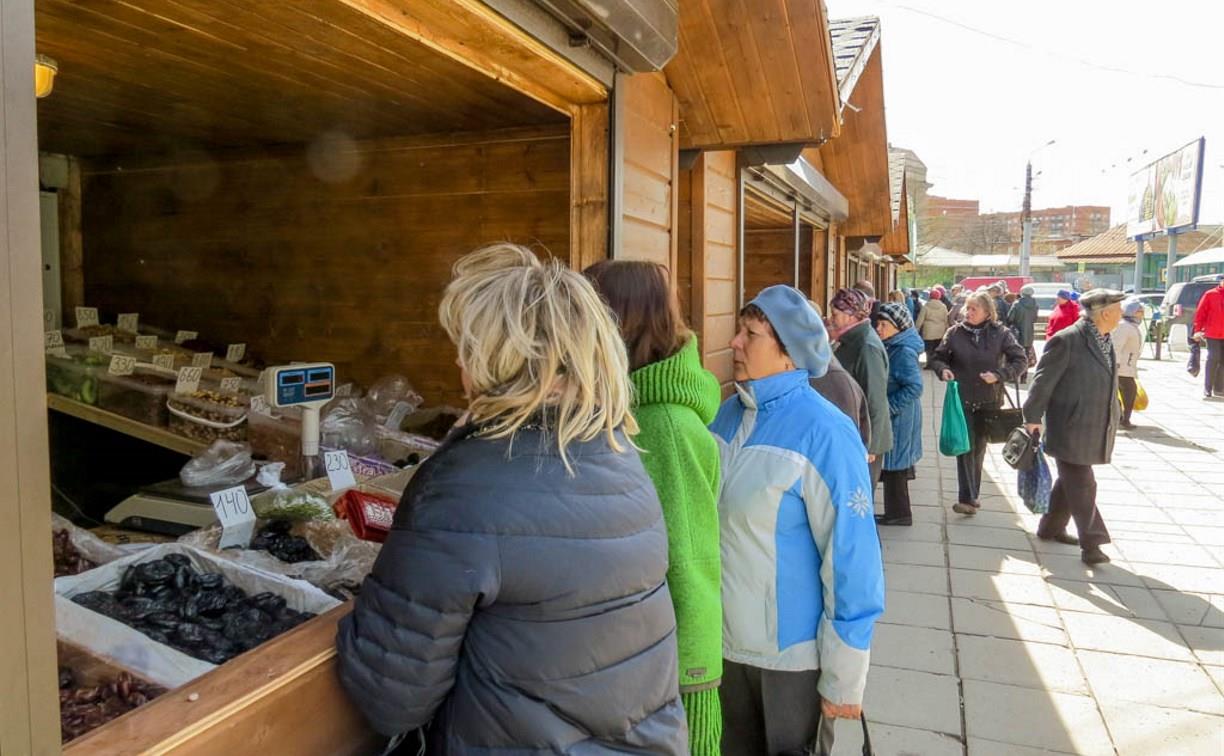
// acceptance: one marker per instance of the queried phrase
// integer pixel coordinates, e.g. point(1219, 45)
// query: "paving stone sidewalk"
point(996, 643)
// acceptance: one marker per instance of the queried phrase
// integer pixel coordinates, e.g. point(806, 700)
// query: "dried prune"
point(83, 709)
point(211, 581)
point(178, 560)
point(268, 602)
point(154, 573)
point(100, 602)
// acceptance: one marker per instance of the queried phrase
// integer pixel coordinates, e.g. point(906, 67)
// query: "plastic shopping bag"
point(1141, 397)
point(954, 432)
point(1194, 364)
point(1035, 484)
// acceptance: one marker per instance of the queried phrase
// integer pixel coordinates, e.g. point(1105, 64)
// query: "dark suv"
point(1182, 299)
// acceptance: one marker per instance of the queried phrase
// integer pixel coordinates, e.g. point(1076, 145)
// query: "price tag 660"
point(188, 380)
point(235, 352)
point(233, 508)
point(128, 321)
point(86, 316)
point(122, 364)
point(339, 474)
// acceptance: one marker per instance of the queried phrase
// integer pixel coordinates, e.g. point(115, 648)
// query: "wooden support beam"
point(72, 249)
point(589, 156)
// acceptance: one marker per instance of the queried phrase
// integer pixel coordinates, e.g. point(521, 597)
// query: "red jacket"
point(1064, 315)
point(1209, 319)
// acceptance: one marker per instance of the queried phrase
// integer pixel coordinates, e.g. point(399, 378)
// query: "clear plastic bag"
point(87, 544)
point(225, 463)
point(349, 425)
point(389, 391)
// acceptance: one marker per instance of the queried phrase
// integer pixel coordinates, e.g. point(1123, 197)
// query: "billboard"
point(1164, 195)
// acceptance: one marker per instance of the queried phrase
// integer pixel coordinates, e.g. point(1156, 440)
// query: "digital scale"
point(173, 509)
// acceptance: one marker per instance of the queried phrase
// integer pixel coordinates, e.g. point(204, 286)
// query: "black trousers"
point(770, 713)
point(1213, 376)
point(1130, 391)
point(1074, 497)
point(969, 464)
point(896, 493)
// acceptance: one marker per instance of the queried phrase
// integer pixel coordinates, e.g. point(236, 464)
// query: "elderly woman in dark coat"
point(903, 344)
point(1076, 392)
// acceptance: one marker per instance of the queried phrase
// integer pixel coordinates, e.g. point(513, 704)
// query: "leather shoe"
point(1094, 556)
point(1066, 538)
point(961, 507)
point(882, 520)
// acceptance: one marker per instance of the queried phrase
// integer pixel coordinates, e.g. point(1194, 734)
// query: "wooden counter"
point(283, 697)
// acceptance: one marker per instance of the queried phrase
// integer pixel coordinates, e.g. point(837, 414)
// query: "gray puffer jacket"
point(521, 609)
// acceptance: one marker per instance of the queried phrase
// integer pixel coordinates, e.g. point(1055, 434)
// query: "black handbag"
point(999, 422)
point(1020, 449)
point(822, 744)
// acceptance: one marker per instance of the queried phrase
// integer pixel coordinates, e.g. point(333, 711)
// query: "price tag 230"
point(339, 473)
point(188, 380)
point(233, 508)
point(163, 361)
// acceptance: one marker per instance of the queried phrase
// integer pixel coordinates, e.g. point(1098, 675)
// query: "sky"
point(1105, 79)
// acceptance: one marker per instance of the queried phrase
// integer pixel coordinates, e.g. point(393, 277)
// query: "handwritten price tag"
point(235, 352)
point(146, 343)
point(53, 342)
point(122, 364)
point(259, 405)
point(233, 508)
point(163, 361)
point(129, 321)
point(231, 385)
point(202, 359)
point(338, 471)
point(103, 344)
point(183, 336)
point(188, 380)
point(86, 316)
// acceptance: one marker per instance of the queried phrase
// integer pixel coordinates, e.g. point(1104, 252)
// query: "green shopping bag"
point(954, 433)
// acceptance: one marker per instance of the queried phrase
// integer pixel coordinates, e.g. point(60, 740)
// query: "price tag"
point(202, 359)
point(53, 342)
point(182, 336)
point(397, 415)
point(103, 344)
point(338, 471)
point(188, 380)
point(235, 352)
point(146, 343)
point(233, 508)
point(129, 321)
point(122, 364)
point(163, 361)
point(259, 405)
point(231, 385)
point(86, 316)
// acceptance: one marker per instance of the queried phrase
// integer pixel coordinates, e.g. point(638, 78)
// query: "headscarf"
point(1066, 294)
point(852, 302)
point(937, 293)
point(897, 314)
point(1131, 308)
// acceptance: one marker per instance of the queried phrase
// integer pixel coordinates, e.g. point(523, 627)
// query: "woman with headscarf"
point(932, 322)
point(802, 574)
point(1075, 392)
point(982, 356)
point(895, 328)
point(1127, 341)
point(862, 354)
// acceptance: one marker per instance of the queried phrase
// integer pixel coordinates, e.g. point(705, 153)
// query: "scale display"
point(303, 384)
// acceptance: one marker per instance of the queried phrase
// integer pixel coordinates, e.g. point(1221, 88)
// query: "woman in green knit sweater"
point(675, 400)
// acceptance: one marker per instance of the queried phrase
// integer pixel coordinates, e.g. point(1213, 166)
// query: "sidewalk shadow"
point(1158, 435)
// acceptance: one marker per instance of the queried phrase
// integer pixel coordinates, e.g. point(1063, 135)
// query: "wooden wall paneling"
point(818, 281)
point(72, 262)
point(28, 703)
point(649, 170)
point(714, 255)
point(258, 248)
point(589, 155)
point(689, 243)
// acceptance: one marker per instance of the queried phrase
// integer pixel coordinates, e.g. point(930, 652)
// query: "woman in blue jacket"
point(903, 344)
point(803, 582)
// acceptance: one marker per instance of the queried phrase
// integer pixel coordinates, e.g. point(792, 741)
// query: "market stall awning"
point(1205, 257)
point(757, 72)
point(896, 242)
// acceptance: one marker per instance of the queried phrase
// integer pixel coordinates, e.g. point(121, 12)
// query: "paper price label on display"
point(202, 359)
point(235, 352)
point(53, 342)
point(231, 385)
point(129, 321)
point(259, 405)
point(163, 361)
point(146, 343)
point(122, 364)
point(103, 344)
point(188, 380)
point(86, 316)
point(338, 471)
point(182, 336)
point(233, 508)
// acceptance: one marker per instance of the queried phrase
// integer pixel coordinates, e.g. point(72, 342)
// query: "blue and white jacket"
point(803, 580)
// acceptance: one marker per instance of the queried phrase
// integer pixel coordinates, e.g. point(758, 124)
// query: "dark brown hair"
point(639, 295)
point(752, 312)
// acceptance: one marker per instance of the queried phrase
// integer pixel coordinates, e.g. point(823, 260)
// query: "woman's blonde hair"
point(534, 336)
point(986, 302)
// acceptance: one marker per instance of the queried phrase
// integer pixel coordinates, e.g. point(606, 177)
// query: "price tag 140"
point(183, 336)
point(103, 344)
point(86, 316)
point(339, 474)
point(233, 508)
point(122, 364)
point(202, 359)
point(53, 341)
point(128, 321)
point(235, 352)
point(146, 343)
point(188, 380)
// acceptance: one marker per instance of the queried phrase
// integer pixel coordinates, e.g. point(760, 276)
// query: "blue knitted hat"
point(798, 327)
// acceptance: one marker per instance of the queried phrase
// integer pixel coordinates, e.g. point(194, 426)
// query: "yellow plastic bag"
point(1141, 397)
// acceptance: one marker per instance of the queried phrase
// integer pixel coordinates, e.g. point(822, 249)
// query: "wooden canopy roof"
point(754, 72)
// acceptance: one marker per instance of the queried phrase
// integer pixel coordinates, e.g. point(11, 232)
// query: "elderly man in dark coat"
point(1076, 392)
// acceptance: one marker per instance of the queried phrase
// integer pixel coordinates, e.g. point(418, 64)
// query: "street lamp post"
point(1026, 214)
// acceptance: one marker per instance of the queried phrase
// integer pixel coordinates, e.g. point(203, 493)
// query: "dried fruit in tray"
point(68, 561)
point(140, 396)
point(208, 416)
point(276, 539)
point(85, 706)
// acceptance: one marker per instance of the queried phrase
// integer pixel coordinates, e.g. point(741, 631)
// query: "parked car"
point(1181, 301)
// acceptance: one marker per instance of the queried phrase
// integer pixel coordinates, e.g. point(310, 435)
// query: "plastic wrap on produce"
point(127, 646)
point(91, 547)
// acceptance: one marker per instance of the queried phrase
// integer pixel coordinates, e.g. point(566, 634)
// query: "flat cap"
point(1098, 298)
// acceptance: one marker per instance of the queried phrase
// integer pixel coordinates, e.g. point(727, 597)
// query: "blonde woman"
point(519, 602)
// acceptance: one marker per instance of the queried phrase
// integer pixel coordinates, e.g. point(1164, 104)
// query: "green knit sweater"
point(675, 399)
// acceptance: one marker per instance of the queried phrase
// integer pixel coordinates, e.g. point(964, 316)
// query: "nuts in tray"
point(208, 415)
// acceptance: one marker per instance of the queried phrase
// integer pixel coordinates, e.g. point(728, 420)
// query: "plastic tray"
point(71, 377)
point(140, 396)
point(199, 417)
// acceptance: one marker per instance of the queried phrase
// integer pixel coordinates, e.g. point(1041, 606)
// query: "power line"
point(1057, 53)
